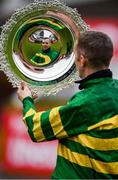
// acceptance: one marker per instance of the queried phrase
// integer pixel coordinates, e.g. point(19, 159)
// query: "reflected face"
point(46, 44)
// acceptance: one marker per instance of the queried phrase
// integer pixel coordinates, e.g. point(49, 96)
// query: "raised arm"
point(57, 123)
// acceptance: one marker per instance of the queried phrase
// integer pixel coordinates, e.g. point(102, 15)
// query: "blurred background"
point(19, 157)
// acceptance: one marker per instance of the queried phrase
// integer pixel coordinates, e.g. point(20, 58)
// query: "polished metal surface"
point(38, 46)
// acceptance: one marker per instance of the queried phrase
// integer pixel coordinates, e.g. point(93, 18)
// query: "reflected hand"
point(23, 91)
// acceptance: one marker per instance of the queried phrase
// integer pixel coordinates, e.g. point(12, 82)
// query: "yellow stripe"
point(46, 58)
point(29, 113)
point(85, 161)
point(45, 20)
point(96, 143)
point(56, 123)
point(107, 124)
point(37, 130)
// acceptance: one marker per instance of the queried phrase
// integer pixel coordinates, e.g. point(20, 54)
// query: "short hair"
point(97, 47)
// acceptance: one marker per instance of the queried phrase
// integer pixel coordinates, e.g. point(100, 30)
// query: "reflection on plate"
point(38, 46)
point(38, 42)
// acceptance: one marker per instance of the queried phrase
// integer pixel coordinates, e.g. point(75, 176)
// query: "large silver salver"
point(37, 46)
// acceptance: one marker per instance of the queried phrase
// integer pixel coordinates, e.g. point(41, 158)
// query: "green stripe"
point(28, 103)
point(30, 124)
point(104, 156)
point(46, 126)
point(72, 119)
point(104, 134)
point(67, 170)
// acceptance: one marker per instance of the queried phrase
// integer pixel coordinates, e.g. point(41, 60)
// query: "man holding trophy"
point(87, 126)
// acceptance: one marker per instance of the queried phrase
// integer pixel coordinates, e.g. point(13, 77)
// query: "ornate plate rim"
point(6, 29)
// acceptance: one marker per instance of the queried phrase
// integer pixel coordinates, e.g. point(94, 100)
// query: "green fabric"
point(104, 156)
point(96, 103)
point(29, 121)
point(104, 134)
point(46, 126)
point(66, 170)
point(28, 103)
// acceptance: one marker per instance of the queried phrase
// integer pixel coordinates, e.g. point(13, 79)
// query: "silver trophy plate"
point(37, 46)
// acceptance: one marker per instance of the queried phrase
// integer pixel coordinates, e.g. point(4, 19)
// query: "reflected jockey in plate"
point(46, 55)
